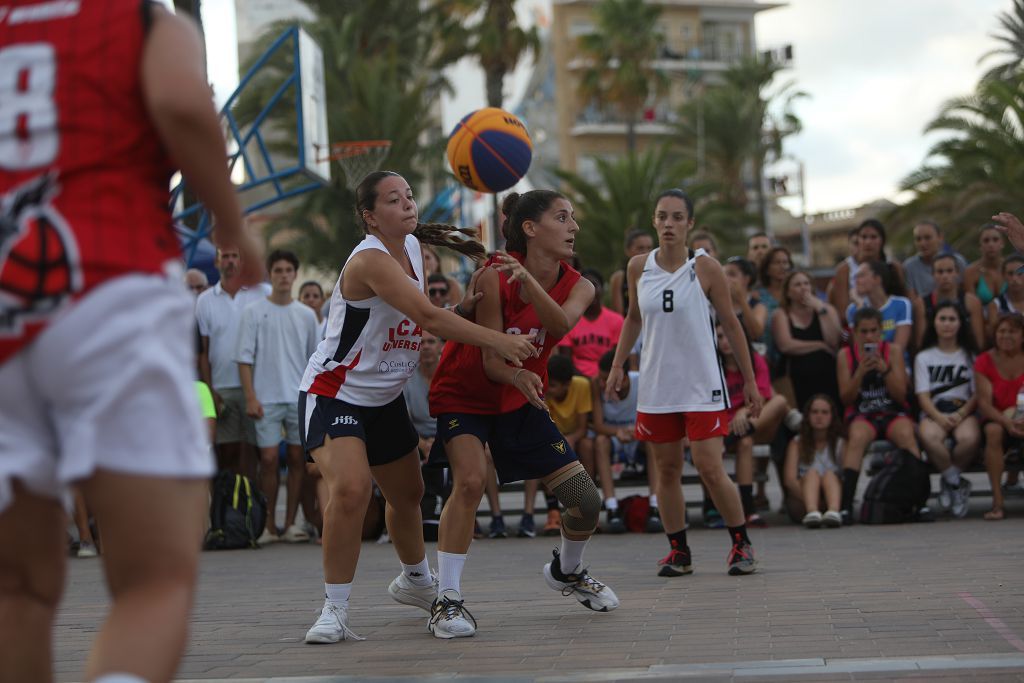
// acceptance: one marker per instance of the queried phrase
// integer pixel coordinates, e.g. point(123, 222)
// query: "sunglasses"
point(437, 291)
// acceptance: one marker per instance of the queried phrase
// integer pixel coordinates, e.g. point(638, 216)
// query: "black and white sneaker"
point(654, 525)
point(590, 592)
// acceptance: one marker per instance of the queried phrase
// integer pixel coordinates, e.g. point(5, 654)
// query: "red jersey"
point(84, 177)
point(460, 384)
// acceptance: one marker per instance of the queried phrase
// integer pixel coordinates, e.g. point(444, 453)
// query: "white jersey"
point(371, 348)
point(679, 369)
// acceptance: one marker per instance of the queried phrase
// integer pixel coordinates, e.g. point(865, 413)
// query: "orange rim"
point(354, 148)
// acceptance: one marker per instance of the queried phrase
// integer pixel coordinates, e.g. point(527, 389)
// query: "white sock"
point(418, 574)
point(654, 500)
point(952, 475)
point(118, 678)
point(449, 571)
point(611, 503)
point(338, 593)
point(570, 557)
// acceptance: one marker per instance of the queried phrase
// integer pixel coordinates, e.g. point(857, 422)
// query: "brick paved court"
point(926, 601)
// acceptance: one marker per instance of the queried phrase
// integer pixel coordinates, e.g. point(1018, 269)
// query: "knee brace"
point(576, 492)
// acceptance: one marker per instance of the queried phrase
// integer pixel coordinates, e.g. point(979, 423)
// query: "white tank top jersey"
point(371, 348)
point(679, 369)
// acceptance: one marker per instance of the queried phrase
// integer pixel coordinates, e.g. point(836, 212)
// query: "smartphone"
point(871, 347)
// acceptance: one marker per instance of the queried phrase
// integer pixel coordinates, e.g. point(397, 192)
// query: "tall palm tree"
point(620, 74)
point(1011, 39)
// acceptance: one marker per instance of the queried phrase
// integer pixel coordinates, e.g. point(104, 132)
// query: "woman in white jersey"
point(682, 384)
point(355, 423)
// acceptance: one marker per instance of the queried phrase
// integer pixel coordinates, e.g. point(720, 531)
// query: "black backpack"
point(238, 513)
point(897, 491)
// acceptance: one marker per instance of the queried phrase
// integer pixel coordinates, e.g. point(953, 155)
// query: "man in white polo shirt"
point(276, 337)
point(218, 312)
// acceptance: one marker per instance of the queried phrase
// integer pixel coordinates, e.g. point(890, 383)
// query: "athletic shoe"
point(526, 527)
point(654, 525)
point(961, 498)
point(266, 538)
point(925, 514)
point(87, 550)
point(406, 592)
point(741, 559)
point(945, 497)
point(449, 618)
point(591, 593)
point(812, 520)
point(497, 529)
point(294, 534)
point(757, 521)
point(553, 524)
point(832, 519)
point(331, 626)
point(794, 418)
point(846, 514)
point(676, 563)
point(713, 520)
point(616, 524)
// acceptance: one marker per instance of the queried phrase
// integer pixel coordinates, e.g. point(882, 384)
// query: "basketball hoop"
point(358, 157)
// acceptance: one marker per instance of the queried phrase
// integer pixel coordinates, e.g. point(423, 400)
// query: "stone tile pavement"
point(942, 601)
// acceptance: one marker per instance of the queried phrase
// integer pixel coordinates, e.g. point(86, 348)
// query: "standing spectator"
point(774, 268)
point(196, 281)
point(758, 246)
point(438, 289)
point(944, 381)
point(846, 283)
point(218, 312)
point(807, 333)
point(595, 333)
point(752, 314)
point(415, 392)
point(312, 294)
point(999, 374)
point(873, 387)
point(638, 242)
point(984, 277)
point(918, 268)
point(276, 337)
point(946, 275)
point(873, 289)
point(870, 247)
point(1012, 298)
point(432, 266)
point(812, 462)
point(703, 239)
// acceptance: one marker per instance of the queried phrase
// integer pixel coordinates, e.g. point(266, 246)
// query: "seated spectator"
point(438, 290)
point(596, 332)
point(984, 277)
point(637, 242)
point(1012, 298)
point(869, 246)
point(772, 276)
point(872, 286)
point(999, 374)
point(944, 382)
point(752, 314)
point(812, 462)
point(614, 425)
point(744, 430)
point(432, 266)
point(807, 333)
point(946, 276)
point(873, 387)
point(758, 245)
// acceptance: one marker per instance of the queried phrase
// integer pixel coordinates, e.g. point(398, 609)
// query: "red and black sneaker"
point(676, 563)
point(741, 559)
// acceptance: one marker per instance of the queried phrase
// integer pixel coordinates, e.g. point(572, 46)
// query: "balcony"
point(705, 56)
point(593, 120)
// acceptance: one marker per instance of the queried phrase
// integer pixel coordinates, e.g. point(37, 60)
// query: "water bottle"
point(1019, 413)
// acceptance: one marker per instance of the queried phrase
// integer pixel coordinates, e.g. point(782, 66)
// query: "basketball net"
point(358, 157)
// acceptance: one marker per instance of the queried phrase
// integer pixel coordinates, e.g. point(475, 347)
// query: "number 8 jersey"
point(679, 367)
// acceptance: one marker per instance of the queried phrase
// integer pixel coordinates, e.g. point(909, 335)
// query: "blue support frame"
point(274, 176)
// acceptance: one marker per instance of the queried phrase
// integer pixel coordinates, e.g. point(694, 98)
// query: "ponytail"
point(441, 235)
point(519, 208)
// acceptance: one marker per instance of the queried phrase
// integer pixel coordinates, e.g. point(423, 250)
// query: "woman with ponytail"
point(480, 399)
point(355, 423)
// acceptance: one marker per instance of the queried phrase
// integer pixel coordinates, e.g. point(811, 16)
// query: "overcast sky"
point(877, 72)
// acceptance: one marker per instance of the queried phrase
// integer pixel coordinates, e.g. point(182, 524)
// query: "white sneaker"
point(589, 591)
point(794, 418)
point(812, 520)
point(332, 625)
point(294, 534)
point(87, 550)
point(266, 538)
point(945, 496)
point(832, 519)
point(449, 618)
point(406, 592)
point(961, 498)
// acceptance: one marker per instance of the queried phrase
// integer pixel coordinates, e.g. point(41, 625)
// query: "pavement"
point(941, 601)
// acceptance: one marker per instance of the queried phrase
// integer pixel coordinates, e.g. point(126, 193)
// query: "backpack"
point(238, 513)
point(635, 511)
point(897, 491)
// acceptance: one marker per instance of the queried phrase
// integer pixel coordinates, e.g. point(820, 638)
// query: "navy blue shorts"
point(386, 430)
point(525, 443)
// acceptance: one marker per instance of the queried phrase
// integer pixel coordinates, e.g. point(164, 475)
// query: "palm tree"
point(620, 73)
point(1011, 37)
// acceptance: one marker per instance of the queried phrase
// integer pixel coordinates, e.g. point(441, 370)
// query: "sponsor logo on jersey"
point(400, 366)
point(344, 420)
point(716, 395)
point(560, 447)
point(404, 335)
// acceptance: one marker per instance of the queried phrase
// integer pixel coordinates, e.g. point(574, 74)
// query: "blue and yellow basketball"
point(489, 150)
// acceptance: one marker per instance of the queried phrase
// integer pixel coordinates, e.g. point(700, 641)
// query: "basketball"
point(489, 150)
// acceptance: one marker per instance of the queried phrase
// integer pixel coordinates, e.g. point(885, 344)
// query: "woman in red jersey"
point(355, 423)
point(479, 399)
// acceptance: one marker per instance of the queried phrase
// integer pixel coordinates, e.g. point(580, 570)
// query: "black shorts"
point(880, 422)
point(525, 443)
point(386, 430)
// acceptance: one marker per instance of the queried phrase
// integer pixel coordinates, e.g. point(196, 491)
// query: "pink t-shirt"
point(734, 383)
point(591, 339)
point(1004, 391)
